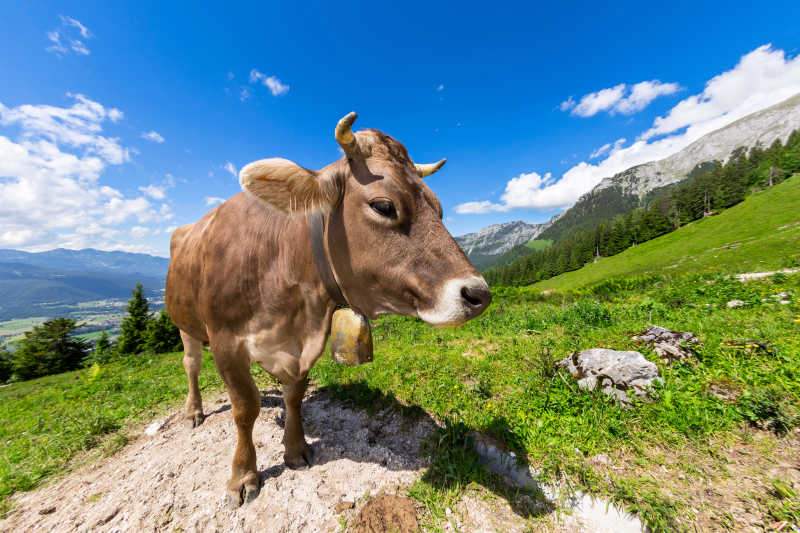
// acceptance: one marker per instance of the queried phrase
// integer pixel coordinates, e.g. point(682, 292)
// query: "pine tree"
point(163, 335)
point(104, 351)
point(6, 368)
point(49, 349)
point(133, 338)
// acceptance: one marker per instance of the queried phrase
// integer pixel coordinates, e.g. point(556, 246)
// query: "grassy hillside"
point(755, 235)
point(539, 244)
point(729, 414)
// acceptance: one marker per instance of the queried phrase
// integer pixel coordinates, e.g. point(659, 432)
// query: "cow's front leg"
point(298, 454)
point(246, 402)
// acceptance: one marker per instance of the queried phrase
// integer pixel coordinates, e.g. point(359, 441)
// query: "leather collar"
point(317, 231)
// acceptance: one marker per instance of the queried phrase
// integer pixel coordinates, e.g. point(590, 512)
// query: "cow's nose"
point(476, 296)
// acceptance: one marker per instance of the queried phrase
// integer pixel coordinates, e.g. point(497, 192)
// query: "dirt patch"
point(175, 479)
point(387, 513)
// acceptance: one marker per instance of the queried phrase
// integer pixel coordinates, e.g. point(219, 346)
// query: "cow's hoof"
point(241, 493)
point(193, 420)
point(301, 459)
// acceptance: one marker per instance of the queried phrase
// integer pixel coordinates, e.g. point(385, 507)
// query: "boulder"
point(617, 373)
point(735, 303)
point(668, 344)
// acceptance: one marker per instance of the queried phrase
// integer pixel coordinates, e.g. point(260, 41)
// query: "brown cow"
point(243, 278)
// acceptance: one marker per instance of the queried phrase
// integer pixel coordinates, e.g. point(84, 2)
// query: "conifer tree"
point(163, 335)
point(103, 352)
point(133, 338)
point(49, 348)
point(5, 364)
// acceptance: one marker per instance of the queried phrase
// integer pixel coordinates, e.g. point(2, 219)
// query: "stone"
point(154, 428)
point(668, 344)
point(735, 303)
point(617, 373)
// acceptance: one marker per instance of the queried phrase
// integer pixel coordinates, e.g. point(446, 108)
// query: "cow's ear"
point(288, 187)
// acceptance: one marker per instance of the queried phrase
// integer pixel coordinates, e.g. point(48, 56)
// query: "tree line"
point(53, 347)
point(709, 188)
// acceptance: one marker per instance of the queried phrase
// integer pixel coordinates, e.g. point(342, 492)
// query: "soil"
point(387, 513)
point(174, 480)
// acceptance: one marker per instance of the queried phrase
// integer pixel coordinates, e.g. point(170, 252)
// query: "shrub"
point(769, 409)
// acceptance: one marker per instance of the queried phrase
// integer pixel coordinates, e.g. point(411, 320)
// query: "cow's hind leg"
point(298, 454)
point(192, 362)
point(243, 485)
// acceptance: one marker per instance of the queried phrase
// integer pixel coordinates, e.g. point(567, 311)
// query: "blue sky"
point(117, 122)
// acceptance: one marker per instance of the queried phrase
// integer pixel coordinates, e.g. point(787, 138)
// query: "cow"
point(246, 280)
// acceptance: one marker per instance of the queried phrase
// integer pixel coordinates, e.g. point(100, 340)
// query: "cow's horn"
point(430, 168)
point(346, 139)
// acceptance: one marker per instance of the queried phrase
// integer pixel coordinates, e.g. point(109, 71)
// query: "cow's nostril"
point(476, 296)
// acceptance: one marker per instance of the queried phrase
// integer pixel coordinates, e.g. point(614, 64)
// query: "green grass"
point(752, 227)
point(539, 244)
point(496, 375)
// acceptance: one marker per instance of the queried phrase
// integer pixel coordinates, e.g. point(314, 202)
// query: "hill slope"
point(761, 233)
point(623, 192)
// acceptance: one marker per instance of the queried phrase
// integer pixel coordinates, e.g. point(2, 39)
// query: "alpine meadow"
point(585, 319)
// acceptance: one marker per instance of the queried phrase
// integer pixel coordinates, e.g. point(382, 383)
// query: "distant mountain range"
point(90, 260)
point(627, 190)
point(53, 283)
point(486, 245)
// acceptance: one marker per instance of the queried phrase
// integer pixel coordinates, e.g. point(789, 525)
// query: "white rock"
point(154, 428)
point(617, 372)
point(735, 303)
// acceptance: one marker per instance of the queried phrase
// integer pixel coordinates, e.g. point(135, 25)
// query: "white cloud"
point(275, 86)
point(213, 200)
point(152, 136)
point(600, 151)
point(592, 103)
point(68, 37)
point(139, 232)
point(154, 191)
point(50, 178)
point(614, 99)
point(642, 94)
point(608, 147)
point(244, 93)
point(761, 78)
point(231, 169)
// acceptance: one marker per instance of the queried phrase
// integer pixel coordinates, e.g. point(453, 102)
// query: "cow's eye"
point(384, 208)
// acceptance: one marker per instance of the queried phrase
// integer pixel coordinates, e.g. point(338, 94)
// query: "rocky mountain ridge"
point(486, 245)
point(757, 129)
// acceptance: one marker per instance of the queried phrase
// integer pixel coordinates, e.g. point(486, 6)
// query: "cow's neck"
point(321, 260)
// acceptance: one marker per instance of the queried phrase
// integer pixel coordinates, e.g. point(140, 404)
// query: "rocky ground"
point(171, 478)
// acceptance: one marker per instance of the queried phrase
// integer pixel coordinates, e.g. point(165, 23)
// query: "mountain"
point(768, 240)
point(90, 260)
point(59, 282)
point(486, 245)
point(624, 191)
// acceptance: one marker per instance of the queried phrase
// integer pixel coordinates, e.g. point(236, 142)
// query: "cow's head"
point(388, 248)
